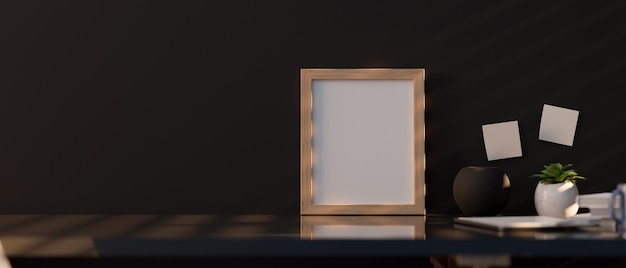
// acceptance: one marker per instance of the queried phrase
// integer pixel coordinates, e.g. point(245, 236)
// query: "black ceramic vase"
point(481, 191)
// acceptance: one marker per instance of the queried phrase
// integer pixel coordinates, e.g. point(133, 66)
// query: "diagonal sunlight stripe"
point(598, 129)
point(462, 26)
point(582, 83)
point(522, 82)
point(572, 85)
point(469, 108)
point(4, 259)
point(453, 58)
point(522, 52)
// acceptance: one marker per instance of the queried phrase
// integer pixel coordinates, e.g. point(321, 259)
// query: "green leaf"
point(570, 173)
point(557, 172)
point(567, 166)
point(540, 176)
point(550, 173)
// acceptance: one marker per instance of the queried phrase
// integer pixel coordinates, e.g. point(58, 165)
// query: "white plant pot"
point(556, 200)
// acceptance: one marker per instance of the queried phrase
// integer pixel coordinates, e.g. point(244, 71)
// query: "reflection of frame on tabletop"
point(363, 227)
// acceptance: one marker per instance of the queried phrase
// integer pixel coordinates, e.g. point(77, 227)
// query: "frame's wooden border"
point(306, 80)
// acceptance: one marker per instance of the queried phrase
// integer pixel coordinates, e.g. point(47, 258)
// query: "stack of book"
point(599, 205)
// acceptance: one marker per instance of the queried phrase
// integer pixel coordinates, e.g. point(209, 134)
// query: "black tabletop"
point(116, 236)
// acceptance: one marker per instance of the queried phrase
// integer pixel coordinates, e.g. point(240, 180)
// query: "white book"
point(594, 200)
point(504, 223)
point(603, 212)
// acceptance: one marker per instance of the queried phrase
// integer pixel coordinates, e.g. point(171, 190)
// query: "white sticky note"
point(502, 140)
point(558, 125)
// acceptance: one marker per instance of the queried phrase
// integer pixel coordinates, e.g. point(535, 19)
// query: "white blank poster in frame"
point(362, 141)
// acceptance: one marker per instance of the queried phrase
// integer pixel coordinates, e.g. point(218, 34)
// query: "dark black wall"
point(193, 106)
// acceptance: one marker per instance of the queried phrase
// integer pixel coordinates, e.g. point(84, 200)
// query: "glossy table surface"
point(103, 236)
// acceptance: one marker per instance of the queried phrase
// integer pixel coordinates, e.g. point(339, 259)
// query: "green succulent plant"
point(557, 173)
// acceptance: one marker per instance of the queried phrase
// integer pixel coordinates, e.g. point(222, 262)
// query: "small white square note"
point(502, 140)
point(558, 125)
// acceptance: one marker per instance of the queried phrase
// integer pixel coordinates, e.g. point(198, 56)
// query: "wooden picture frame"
point(318, 227)
point(362, 141)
